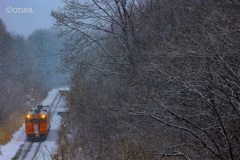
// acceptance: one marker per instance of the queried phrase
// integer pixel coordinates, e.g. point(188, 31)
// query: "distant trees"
point(44, 47)
point(5, 40)
point(12, 91)
point(24, 68)
point(6, 48)
point(158, 78)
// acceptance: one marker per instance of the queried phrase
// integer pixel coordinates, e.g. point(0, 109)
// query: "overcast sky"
point(27, 15)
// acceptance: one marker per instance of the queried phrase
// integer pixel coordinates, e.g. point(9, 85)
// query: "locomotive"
point(37, 123)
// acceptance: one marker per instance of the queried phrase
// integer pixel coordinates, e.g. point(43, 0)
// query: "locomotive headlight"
point(43, 116)
point(28, 116)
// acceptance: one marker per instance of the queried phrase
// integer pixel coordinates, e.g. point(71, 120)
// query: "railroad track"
point(33, 147)
point(56, 105)
point(29, 154)
point(54, 99)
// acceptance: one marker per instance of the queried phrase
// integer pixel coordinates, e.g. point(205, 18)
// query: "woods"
point(28, 71)
point(151, 79)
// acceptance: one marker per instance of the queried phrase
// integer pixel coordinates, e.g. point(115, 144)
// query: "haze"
point(26, 23)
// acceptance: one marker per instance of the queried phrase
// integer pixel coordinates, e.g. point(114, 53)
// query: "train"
point(37, 123)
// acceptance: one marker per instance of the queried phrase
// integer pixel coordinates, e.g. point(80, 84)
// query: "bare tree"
point(134, 64)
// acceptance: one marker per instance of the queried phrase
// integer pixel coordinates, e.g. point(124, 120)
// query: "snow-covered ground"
point(48, 146)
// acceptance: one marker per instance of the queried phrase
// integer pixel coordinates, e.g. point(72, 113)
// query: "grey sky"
point(25, 23)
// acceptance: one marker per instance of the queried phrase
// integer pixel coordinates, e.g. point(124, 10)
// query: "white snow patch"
point(49, 146)
point(9, 150)
point(51, 95)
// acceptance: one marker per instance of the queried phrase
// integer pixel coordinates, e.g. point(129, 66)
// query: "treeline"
point(151, 79)
point(28, 70)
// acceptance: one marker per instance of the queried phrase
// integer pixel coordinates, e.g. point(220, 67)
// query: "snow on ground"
point(9, 150)
point(49, 146)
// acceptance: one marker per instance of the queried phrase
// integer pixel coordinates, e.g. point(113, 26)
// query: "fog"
point(27, 15)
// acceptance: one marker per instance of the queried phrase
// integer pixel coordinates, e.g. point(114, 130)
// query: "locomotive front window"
point(35, 120)
point(28, 120)
point(43, 120)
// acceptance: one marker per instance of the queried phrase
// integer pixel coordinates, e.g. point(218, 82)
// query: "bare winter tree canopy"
point(152, 79)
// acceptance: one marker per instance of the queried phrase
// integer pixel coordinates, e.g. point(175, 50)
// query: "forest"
point(151, 79)
point(28, 70)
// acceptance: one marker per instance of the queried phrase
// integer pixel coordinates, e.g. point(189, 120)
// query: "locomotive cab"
point(37, 123)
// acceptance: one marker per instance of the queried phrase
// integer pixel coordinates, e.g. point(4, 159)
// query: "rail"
point(27, 151)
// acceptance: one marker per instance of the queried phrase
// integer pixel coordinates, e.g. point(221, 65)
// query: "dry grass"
point(5, 135)
point(14, 122)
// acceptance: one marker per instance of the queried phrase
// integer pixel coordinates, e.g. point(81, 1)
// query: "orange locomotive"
point(37, 123)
